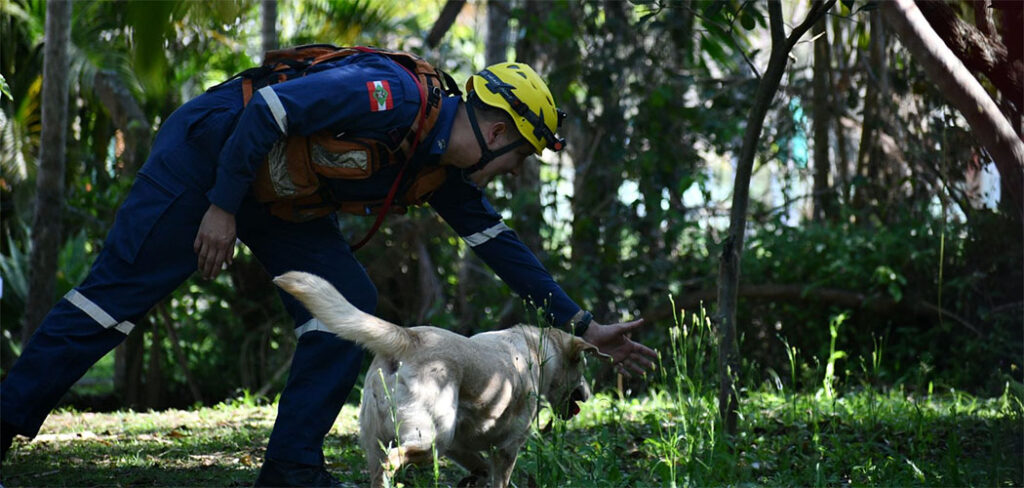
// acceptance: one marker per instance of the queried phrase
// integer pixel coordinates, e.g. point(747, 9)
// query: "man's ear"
point(495, 130)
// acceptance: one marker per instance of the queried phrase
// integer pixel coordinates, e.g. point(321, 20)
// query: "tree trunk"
point(841, 46)
point(430, 289)
point(822, 120)
point(472, 273)
point(179, 353)
point(153, 391)
point(268, 29)
point(496, 47)
point(524, 187)
point(46, 222)
point(868, 174)
point(128, 368)
point(965, 93)
point(729, 270)
point(595, 237)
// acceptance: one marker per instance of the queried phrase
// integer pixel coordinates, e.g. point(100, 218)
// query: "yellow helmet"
point(518, 90)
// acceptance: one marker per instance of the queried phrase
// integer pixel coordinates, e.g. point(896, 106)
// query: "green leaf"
point(151, 23)
point(896, 292)
point(4, 89)
point(713, 48)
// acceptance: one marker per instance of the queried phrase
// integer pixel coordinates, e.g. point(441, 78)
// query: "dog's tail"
point(342, 318)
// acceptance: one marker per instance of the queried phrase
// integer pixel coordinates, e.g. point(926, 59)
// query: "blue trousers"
point(147, 254)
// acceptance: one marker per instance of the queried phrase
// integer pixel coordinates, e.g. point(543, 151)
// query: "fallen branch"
point(831, 296)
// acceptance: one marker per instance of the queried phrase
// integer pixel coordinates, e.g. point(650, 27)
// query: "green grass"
point(846, 432)
point(99, 379)
point(659, 439)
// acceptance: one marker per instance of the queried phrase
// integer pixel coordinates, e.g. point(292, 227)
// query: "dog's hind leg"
point(425, 418)
point(376, 422)
point(376, 468)
point(502, 462)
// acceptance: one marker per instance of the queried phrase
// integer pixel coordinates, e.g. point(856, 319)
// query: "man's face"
point(508, 163)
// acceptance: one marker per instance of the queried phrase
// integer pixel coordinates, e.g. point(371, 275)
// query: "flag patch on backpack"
point(380, 96)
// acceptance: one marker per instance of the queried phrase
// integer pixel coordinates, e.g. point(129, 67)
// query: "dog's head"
point(566, 384)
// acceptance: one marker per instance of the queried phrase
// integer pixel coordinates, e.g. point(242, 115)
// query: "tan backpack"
point(290, 180)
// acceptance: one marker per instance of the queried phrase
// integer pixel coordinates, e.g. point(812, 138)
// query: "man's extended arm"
point(467, 210)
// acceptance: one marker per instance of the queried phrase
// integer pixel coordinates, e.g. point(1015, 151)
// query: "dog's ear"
point(580, 347)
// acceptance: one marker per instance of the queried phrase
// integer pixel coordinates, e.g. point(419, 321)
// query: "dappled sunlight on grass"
point(666, 434)
point(656, 439)
point(225, 443)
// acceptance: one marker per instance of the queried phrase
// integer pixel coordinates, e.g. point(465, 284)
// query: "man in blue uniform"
point(197, 194)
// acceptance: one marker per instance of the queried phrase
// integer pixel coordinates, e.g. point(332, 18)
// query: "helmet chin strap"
point(486, 155)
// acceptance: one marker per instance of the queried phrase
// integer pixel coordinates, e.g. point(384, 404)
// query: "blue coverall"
point(207, 152)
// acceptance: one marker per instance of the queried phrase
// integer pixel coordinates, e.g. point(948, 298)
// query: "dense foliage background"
point(875, 214)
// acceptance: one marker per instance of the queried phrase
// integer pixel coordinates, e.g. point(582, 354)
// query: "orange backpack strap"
point(246, 91)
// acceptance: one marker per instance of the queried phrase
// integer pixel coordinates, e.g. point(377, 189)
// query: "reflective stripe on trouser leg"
point(98, 314)
point(324, 370)
point(66, 344)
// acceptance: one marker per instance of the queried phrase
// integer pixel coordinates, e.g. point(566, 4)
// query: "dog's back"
point(380, 337)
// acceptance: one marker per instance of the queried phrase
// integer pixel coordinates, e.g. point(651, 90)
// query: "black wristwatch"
point(580, 322)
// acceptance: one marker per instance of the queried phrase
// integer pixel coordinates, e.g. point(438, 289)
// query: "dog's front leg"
point(503, 459)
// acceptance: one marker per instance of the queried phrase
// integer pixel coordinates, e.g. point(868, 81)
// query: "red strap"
point(383, 210)
point(398, 179)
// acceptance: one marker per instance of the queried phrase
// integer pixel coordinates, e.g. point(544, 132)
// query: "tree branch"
point(964, 92)
point(127, 115)
point(981, 53)
point(818, 10)
point(444, 21)
point(775, 23)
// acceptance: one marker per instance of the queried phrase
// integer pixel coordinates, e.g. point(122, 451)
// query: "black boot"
point(279, 474)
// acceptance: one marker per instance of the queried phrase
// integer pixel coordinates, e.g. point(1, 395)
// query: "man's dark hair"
point(487, 113)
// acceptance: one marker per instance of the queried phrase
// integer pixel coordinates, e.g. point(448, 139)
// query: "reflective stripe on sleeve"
point(486, 235)
point(96, 313)
point(310, 326)
point(276, 108)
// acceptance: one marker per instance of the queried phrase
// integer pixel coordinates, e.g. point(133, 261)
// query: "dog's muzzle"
point(572, 405)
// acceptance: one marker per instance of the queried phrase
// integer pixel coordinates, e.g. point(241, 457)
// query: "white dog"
point(429, 388)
